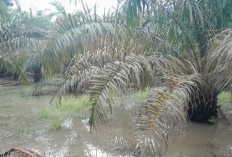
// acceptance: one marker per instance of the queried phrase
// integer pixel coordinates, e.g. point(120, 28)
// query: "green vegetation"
point(56, 124)
point(224, 98)
point(69, 106)
point(44, 113)
point(72, 104)
point(212, 120)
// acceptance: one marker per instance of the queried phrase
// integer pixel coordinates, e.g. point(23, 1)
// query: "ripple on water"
point(86, 125)
point(67, 123)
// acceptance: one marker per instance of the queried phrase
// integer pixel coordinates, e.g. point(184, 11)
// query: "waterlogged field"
point(31, 122)
point(61, 129)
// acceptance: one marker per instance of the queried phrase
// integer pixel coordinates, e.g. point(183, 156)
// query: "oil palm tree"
point(20, 36)
point(180, 49)
point(189, 27)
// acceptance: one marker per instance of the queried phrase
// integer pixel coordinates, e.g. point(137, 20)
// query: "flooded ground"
point(31, 123)
point(202, 140)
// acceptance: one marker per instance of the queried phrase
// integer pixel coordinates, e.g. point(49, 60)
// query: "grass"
point(18, 103)
point(43, 113)
point(225, 100)
point(55, 115)
point(74, 104)
point(5, 105)
point(69, 106)
point(56, 124)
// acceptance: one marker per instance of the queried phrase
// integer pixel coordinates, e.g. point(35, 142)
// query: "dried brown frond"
point(163, 114)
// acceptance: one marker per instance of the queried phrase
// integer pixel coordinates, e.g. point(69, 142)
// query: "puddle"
point(91, 151)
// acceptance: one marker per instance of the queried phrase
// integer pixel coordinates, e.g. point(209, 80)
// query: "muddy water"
point(203, 140)
point(20, 128)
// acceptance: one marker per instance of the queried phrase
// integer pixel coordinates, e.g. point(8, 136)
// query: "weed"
point(56, 124)
point(74, 104)
point(224, 98)
point(43, 113)
point(212, 120)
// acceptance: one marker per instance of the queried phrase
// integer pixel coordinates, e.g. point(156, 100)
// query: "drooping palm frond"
point(222, 53)
point(77, 78)
point(218, 62)
point(81, 69)
point(134, 70)
point(80, 33)
point(81, 73)
point(163, 114)
point(93, 45)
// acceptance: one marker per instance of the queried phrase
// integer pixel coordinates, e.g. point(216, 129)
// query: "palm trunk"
point(37, 76)
point(203, 107)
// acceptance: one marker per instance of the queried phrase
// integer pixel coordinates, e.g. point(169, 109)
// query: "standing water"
point(23, 124)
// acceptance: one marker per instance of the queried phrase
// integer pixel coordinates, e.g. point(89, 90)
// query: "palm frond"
point(59, 8)
point(222, 53)
point(79, 36)
point(219, 61)
point(81, 68)
point(163, 114)
point(17, 37)
point(134, 70)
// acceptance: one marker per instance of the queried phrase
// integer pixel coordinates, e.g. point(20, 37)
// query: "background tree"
point(20, 35)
